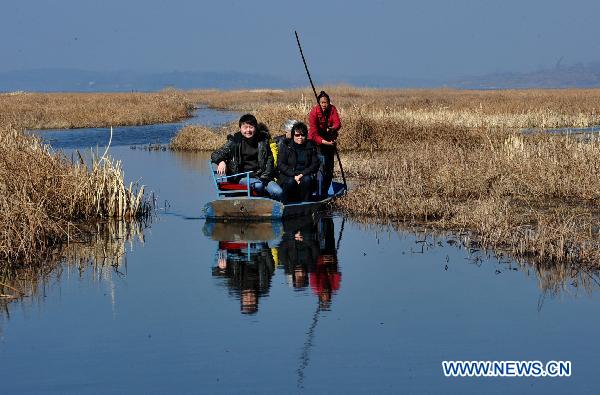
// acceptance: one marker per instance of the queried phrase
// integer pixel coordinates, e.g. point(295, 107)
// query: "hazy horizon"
point(430, 40)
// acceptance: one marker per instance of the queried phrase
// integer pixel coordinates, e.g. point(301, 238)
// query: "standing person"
point(298, 164)
point(248, 150)
point(324, 123)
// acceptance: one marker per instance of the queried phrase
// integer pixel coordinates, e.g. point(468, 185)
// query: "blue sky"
point(420, 39)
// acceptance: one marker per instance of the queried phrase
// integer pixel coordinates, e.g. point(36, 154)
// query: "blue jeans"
point(273, 189)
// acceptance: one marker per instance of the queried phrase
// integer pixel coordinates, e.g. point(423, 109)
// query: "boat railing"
point(217, 179)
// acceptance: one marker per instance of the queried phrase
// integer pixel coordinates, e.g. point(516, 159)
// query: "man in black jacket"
point(248, 150)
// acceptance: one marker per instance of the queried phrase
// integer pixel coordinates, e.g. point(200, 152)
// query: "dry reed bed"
point(532, 195)
point(521, 108)
point(78, 110)
point(44, 198)
point(372, 118)
point(199, 138)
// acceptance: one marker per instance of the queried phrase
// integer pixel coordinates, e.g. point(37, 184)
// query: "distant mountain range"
point(72, 80)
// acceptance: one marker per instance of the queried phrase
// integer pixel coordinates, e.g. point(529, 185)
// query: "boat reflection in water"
point(248, 255)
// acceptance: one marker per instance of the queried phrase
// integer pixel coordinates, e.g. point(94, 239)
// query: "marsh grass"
point(45, 199)
point(81, 110)
point(534, 195)
point(199, 138)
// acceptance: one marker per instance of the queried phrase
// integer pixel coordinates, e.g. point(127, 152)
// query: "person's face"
point(247, 130)
point(299, 138)
point(299, 277)
point(288, 134)
point(324, 103)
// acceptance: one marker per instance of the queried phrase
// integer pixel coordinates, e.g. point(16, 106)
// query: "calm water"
point(314, 305)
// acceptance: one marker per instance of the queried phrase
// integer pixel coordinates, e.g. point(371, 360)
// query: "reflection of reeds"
point(553, 277)
point(101, 254)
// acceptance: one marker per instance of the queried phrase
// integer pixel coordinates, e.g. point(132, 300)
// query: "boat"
point(236, 202)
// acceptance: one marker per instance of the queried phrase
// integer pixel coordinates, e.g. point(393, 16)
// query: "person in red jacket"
point(324, 124)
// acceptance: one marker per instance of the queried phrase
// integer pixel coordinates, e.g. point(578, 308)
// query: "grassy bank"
point(81, 110)
point(451, 159)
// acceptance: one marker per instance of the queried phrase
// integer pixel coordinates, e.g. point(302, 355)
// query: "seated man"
point(298, 163)
point(248, 150)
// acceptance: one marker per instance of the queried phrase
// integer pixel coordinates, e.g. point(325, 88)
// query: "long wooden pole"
point(337, 154)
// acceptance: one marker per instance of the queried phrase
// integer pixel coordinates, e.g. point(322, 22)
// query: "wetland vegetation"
point(48, 200)
point(451, 159)
point(445, 159)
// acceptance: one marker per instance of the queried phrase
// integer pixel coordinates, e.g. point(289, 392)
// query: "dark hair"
point(249, 119)
point(323, 94)
point(300, 127)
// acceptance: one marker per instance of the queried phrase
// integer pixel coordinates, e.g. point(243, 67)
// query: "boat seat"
point(232, 187)
point(232, 245)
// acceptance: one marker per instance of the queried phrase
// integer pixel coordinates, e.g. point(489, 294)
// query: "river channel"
point(316, 305)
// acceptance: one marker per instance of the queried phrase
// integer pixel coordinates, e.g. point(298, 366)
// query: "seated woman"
point(298, 163)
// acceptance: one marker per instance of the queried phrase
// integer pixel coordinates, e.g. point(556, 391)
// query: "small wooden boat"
point(235, 202)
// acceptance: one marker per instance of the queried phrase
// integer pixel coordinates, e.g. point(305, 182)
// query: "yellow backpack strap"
point(274, 150)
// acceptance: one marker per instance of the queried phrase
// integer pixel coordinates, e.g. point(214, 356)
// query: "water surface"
point(317, 305)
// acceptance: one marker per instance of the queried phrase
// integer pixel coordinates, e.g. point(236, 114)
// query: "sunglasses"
point(299, 135)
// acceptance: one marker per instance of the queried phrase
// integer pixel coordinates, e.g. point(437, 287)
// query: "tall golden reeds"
point(44, 198)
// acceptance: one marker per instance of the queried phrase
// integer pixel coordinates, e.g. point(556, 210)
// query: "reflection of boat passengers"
point(298, 252)
point(325, 279)
point(246, 278)
point(324, 124)
point(298, 164)
point(248, 150)
point(309, 248)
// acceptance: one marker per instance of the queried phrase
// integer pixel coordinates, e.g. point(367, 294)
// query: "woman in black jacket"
point(298, 163)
